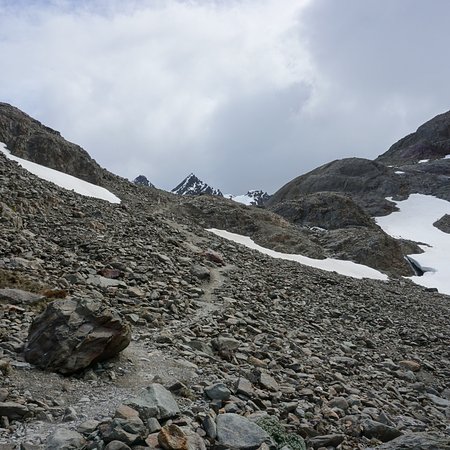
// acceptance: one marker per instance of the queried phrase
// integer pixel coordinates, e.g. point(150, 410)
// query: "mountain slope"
point(27, 138)
point(192, 185)
point(306, 346)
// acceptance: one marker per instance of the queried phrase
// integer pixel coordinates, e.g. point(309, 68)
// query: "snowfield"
point(347, 268)
point(62, 179)
point(415, 221)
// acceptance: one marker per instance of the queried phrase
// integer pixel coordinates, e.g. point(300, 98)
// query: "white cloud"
point(164, 88)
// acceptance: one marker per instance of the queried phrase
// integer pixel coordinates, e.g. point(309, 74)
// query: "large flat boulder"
point(70, 335)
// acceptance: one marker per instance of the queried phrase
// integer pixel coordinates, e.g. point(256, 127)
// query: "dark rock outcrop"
point(443, 223)
point(327, 210)
point(142, 180)
point(367, 182)
point(27, 138)
point(192, 185)
point(71, 335)
point(430, 141)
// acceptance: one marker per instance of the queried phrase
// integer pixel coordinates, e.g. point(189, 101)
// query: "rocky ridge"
point(192, 185)
point(335, 362)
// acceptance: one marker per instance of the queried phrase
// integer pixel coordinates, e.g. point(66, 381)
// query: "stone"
point(218, 391)
point(13, 410)
point(328, 440)
point(200, 272)
point(439, 401)
point(172, 437)
point(124, 430)
point(417, 441)
point(71, 335)
point(103, 282)
point(125, 412)
point(154, 401)
point(235, 431)
point(117, 445)
point(245, 387)
point(378, 430)
point(411, 365)
point(153, 425)
point(19, 297)
point(88, 426)
point(64, 439)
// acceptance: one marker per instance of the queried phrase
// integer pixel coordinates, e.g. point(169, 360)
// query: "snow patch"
point(62, 179)
point(399, 172)
point(347, 268)
point(414, 221)
point(423, 161)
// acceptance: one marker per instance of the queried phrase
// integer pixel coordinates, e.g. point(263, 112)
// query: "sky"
point(247, 94)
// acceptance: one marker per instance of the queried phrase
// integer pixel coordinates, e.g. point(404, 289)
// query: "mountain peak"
point(142, 180)
point(192, 185)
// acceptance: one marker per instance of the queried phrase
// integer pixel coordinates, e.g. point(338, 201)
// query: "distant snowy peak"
point(192, 185)
point(142, 180)
point(254, 197)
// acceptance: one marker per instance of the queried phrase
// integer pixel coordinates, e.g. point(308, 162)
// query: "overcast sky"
point(245, 93)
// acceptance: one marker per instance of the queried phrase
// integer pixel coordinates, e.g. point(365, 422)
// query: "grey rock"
point(117, 445)
point(64, 439)
point(378, 430)
point(201, 272)
point(417, 441)
point(439, 401)
point(13, 410)
point(218, 391)
point(155, 401)
point(234, 431)
point(103, 282)
point(19, 297)
point(71, 335)
point(328, 440)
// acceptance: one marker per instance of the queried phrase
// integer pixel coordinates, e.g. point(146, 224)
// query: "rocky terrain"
point(228, 348)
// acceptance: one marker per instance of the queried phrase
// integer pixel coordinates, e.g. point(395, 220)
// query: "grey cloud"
point(247, 94)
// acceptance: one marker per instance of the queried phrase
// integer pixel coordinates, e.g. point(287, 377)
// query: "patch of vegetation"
point(279, 435)
point(13, 279)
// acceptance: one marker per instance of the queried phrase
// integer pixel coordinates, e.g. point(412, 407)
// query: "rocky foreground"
point(227, 348)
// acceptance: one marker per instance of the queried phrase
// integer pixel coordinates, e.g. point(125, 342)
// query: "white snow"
point(415, 221)
point(399, 172)
point(423, 161)
point(62, 179)
point(347, 268)
point(244, 199)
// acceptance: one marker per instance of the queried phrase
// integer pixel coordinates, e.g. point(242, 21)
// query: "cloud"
point(246, 93)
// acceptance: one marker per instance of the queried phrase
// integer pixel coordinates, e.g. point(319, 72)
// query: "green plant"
point(279, 435)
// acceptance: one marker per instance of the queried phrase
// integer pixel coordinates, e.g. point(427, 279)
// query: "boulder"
point(155, 401)
point(70, 335)
point(417, 441)
point(235, 431)
point(63, 439)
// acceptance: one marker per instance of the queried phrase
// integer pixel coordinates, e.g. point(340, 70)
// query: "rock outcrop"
point(27, 138)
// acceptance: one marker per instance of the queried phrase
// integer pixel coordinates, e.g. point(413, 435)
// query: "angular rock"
point(155, 401)
point(71, 335)
point(328, 440)
point(378, 430)
point(117, 445)
point(234, 431)
point(172, 437)
point(13, 410)
point(63, 439)
point(19, 297)
point(417, 441)
point(218, 391)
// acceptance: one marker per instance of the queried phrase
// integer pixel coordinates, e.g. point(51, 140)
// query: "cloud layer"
point(245, 93)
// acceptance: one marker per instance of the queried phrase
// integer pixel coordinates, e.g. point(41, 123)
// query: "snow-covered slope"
point(62, 179)
point(253, 197)
point(192, 185)
point(414, 221)
point(347, 268)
